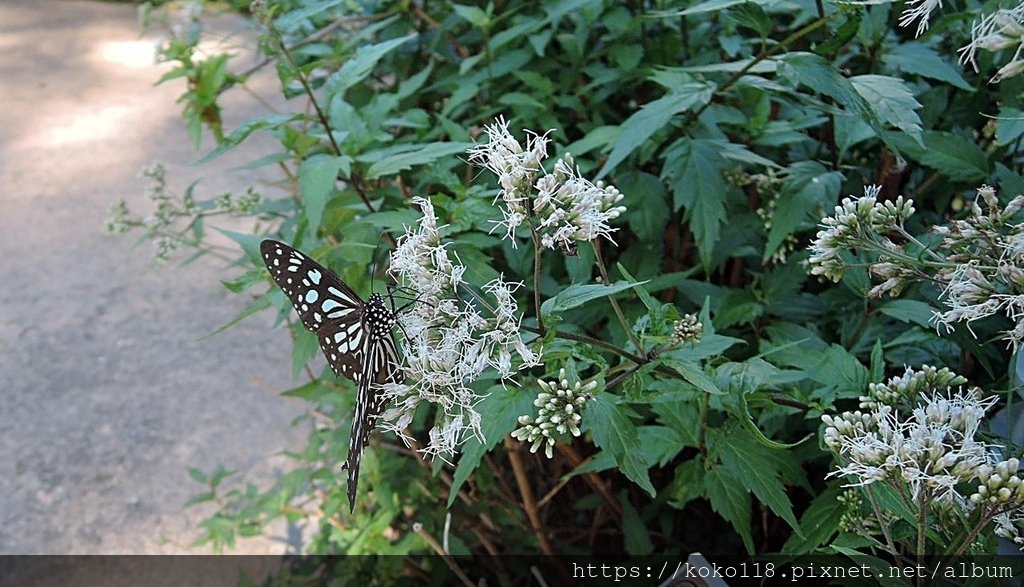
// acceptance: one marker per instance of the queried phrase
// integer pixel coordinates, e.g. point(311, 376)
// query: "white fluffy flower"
point(930, 449)
point(566, 207)
point(449, 341)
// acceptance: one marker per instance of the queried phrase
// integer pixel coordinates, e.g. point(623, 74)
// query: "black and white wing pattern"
point(355, 336)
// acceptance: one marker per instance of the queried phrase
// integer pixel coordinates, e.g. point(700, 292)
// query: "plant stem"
point(593, 342)
point(881, 522)
point(316, 106)
point(448, 560)
point(529, 504)
point(615, 304)
point(537, 251)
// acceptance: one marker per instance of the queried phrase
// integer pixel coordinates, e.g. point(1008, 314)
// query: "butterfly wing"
point(326, 306)
point(380, 367)
point(355, 338)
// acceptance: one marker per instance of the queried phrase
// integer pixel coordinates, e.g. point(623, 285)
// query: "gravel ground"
point(106, 396)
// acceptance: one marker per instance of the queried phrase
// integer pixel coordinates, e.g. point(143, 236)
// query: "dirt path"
point(105, 397)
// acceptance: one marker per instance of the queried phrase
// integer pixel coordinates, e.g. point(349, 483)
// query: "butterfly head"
point(381, 319)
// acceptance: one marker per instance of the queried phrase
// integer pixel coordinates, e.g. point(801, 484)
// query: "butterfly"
point(355, 336)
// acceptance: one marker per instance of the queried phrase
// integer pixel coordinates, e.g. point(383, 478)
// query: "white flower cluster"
point(565, 210)
point(987, 272)
point(687, 329)
point(855, 220)
point(1003, 29)
point(905, 388)
point(919, 10)
point(560, 405)
point(931, 449)
point(1001, 491)
point(448, 341)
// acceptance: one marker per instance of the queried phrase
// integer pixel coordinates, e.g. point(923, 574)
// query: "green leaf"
point(891, 100)
point(688, 483)
point(1010, 125)
point(693, 374)
point(744, 456)
point(245, 129)
point(499, 413)
point(807, 187)
point(200, 498)
point(317, 178)
point(729, 497)
point(646, 199)
point(821, 76)
point(361, 64)
point(421, 155)
point(577, 295)
point(472, 14)
point(663, 443)
point(649, 302)
point(709, 6)
point(636, 540)
point(952, 155)
point(699, 188)
point(304, 349)
point(748, 423)
point(919, 59)
point(818, 523)
point(250, 244)
point(613, 431)
point(683, 416)
point(197, 475)
point(653, 117)
point(257, 305)
point(913, 311)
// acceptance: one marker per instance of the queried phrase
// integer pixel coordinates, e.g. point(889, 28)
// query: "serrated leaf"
point(422, 155)
point(361, 64)
point(499, 412)
point(919, 59)
point(693, 374)
point(653, 117)
point(913, 311)
point(663, 444)
point(742, 456)
point(948, 153)
point(613, 431)
point(635, 538)
point(699, 188)
point(818, 523)
point(891, 100)
point(730, 500)
point(688, 483)
point(808, 185)
point(317, 178)
point(246, 128)
point(577, 295)
point(683, 416)
point(646, 199)
point(822, 76)
point(304, 348)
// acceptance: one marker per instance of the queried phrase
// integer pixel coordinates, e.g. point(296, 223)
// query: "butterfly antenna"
point(373, 271)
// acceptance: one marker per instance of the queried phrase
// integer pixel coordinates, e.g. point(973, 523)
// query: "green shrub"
point(680, 321)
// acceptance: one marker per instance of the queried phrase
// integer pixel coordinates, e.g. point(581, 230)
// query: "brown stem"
point(448, 560)
point(592, 479)
point(526, 492)
point(615, 304)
